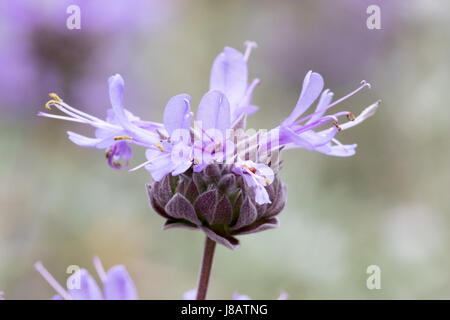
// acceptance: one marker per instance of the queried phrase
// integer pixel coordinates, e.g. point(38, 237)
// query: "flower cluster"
point(209, 172)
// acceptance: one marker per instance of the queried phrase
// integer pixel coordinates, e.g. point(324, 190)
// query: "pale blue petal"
point(229, 75)
point(83, 141)
point(312, 86)
point(177, 113)
point(214, 111)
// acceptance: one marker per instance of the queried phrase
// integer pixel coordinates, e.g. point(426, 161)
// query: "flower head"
point(117, 284)
point(213, 175)
point(219, 202)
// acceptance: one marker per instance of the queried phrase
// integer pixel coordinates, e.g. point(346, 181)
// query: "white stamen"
point(81, 113)
point(70, 113)
point(79, 116)
point(365, 83)
point(140, 166)
point(99, 268)
point(249, 46)
point(48, 115)
point(51, 281)
point(366, 113)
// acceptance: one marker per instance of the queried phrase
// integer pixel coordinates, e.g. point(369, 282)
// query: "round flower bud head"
point(216, 201)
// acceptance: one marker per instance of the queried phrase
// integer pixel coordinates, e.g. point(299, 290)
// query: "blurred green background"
point(62, 204)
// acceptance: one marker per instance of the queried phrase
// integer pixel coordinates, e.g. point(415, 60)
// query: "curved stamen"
point(140, 166)
point(48, 115)
point(249, 92)
point(315, 124)
point(54, 99)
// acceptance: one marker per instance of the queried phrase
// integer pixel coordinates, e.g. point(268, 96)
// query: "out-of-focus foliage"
point(385, 206)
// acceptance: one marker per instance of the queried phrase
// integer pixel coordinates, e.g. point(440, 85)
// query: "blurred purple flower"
point(339, 43)
point(42, 54)
point(117, 284)
point(1, 295)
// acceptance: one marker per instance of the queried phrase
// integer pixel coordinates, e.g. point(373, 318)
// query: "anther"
point(365, 83)
point(351, 116)
point(54, 99)
point(117, 164)
point(160, 146)
point(252, 170)
point(336, 124)
point(54, 96)
point(124, 137)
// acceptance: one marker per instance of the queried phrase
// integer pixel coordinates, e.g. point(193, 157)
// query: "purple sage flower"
point(215, 176)
point(296, 132)
point(117, 284)
point(229, 75)
point(113, 135)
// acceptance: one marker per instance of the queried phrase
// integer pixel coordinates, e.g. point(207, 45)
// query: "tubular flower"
point(299, 133)
point(120, 128)
point(208, 172)
point(229, 75)
point(117, 284)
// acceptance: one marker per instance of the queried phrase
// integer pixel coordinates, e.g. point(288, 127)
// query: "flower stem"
point(205, 271)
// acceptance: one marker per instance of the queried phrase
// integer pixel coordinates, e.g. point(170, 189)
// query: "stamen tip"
point(351, 116)
point(336, 124)
point(250, 43)
point(54, 96)
point(367, 84)
point(38, 265)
